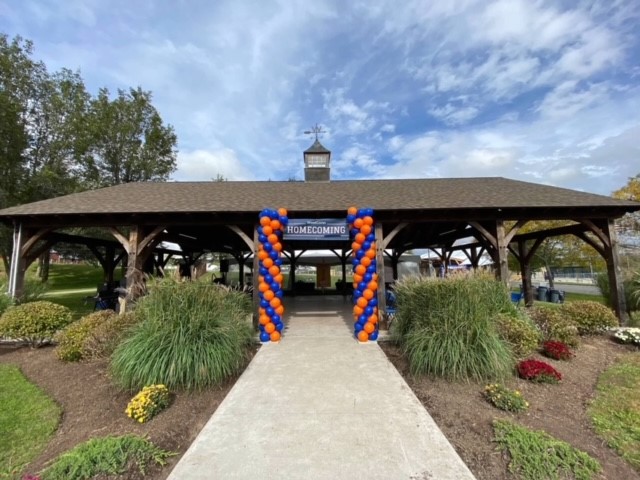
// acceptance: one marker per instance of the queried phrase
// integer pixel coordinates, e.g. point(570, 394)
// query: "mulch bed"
point(465, 417)
point(93, 407)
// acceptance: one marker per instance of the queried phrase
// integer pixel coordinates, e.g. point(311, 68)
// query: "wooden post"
point(18, 262)
point(616, 285)
point(382, 304)
point(256, 282)
point(525, 272)
point(502, 245)
point(109, 263)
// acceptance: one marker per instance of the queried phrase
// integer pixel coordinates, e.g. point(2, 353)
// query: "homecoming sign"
point(316, 229)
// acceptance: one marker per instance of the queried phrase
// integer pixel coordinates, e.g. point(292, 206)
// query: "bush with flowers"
point(148, 402)
point(505, 399)
point(626, 335)
point(538, 371)
point(556, 350)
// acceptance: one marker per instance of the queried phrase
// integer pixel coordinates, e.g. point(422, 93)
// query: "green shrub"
point(519, 332)
point(5, 301)
point(33, 290)
point(72, 339)
point(190, 335)
point(631, 290)
point(554, 325)
point(446, 327)
point(106, 336)
point(590, 317)
point(34, 322)
point(106, 456)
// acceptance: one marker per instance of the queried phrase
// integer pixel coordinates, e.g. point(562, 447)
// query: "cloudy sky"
point(541, 91)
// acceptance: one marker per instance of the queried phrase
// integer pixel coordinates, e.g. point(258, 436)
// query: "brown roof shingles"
point(449, 193)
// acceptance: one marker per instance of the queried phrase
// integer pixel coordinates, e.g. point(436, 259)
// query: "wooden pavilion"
point(215, 216)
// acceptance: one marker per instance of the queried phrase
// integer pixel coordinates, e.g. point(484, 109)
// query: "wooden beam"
point(525, 273)
point(382, 305)
point(28, 245)
point(148, 239)
point(501, 247)
point(393, 233)
point(616, 286)
point(599, 232)
point(238, 231)
point(519, 224)
point(124, 241)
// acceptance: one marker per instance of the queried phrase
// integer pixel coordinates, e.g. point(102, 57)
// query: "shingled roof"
point(414, 194)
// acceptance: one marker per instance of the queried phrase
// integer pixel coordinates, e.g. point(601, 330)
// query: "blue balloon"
point(354, 232)
point(268, 247)
point(370, 212)
point(268, 277)
point(362, 319)
point(275, 286)
point(359, 254)
point(368, 311)
point(356, 295)
point(270, 311)
point(355, 262)
point(273, 214)
point(371, 237)
point(373, 302)
point(362, 286)
point(373, 335)
point(261, 328)
point(264, 337)
point(263, 271)
point(263, 238)
point(366, 246)
point(371, 269)
point(351, 218)
point(273, 255)
point(279, 326)
point(283, 220)
point(276, 318)
point(368, 276)
point(280, 293)
point(264, 303)
point(278, 261)
point(357, 327)
point(361, 212)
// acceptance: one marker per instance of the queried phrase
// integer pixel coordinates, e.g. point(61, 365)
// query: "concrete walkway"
point(320, 405)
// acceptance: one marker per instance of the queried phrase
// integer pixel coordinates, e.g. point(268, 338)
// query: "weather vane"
point(316, 130)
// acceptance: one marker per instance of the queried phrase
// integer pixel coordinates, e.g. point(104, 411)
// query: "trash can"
point(554, 296)
point(561, 296)
point(542, 294)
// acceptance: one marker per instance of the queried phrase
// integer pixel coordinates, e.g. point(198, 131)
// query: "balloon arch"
point(365, 277)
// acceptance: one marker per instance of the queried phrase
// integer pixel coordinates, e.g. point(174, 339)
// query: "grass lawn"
point(575, 297)
point(615, 413)
point(28, 419)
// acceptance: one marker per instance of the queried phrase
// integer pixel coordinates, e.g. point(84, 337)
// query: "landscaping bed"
point(93, 407)
point(466, 418)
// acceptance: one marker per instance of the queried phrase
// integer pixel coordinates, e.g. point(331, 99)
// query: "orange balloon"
point(369, 327)
point(361, 269)
point(373, 319)
point(280, 310)
point(273, 238)
point(363, 336)
point(282, 212)
point(274, 270)
point(275, 224)
point(367, 220)
point(269, 327)
point(355, 285)
point(375, 277)
point(263, 287)
point(371, 253)
point(277, 247)
point(260, 278)
point(275, 302)
point(359, 238)
point(264, 221)
point(267, 262)
point(372, 285)
point(352, 210)
point(365, 229)
point(262, 254)
point(279, 278)
point(357, 278)
point(357, 310)
point(366, 261)
point(268, 295)
point(262, 311)
point(355, 246)
point(368, 294)
point(362, 302)
point(267, 230)
point(264, 319)
point(358, 223)
point(275, 336)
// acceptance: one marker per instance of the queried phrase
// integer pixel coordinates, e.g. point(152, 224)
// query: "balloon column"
point(365, 278)
point(272, 224)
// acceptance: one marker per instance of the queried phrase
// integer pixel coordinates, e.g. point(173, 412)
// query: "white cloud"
point(203, 165)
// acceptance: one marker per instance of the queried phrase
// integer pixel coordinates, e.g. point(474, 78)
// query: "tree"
point(629, 225)
point(128, 142)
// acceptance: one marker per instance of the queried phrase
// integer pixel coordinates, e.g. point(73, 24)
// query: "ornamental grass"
point(446, 327)
point(189, 336)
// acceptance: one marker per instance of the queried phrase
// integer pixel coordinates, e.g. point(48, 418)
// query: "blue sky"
point(547, 92)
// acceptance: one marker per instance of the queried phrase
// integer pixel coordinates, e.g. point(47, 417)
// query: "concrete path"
point(320, 405)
